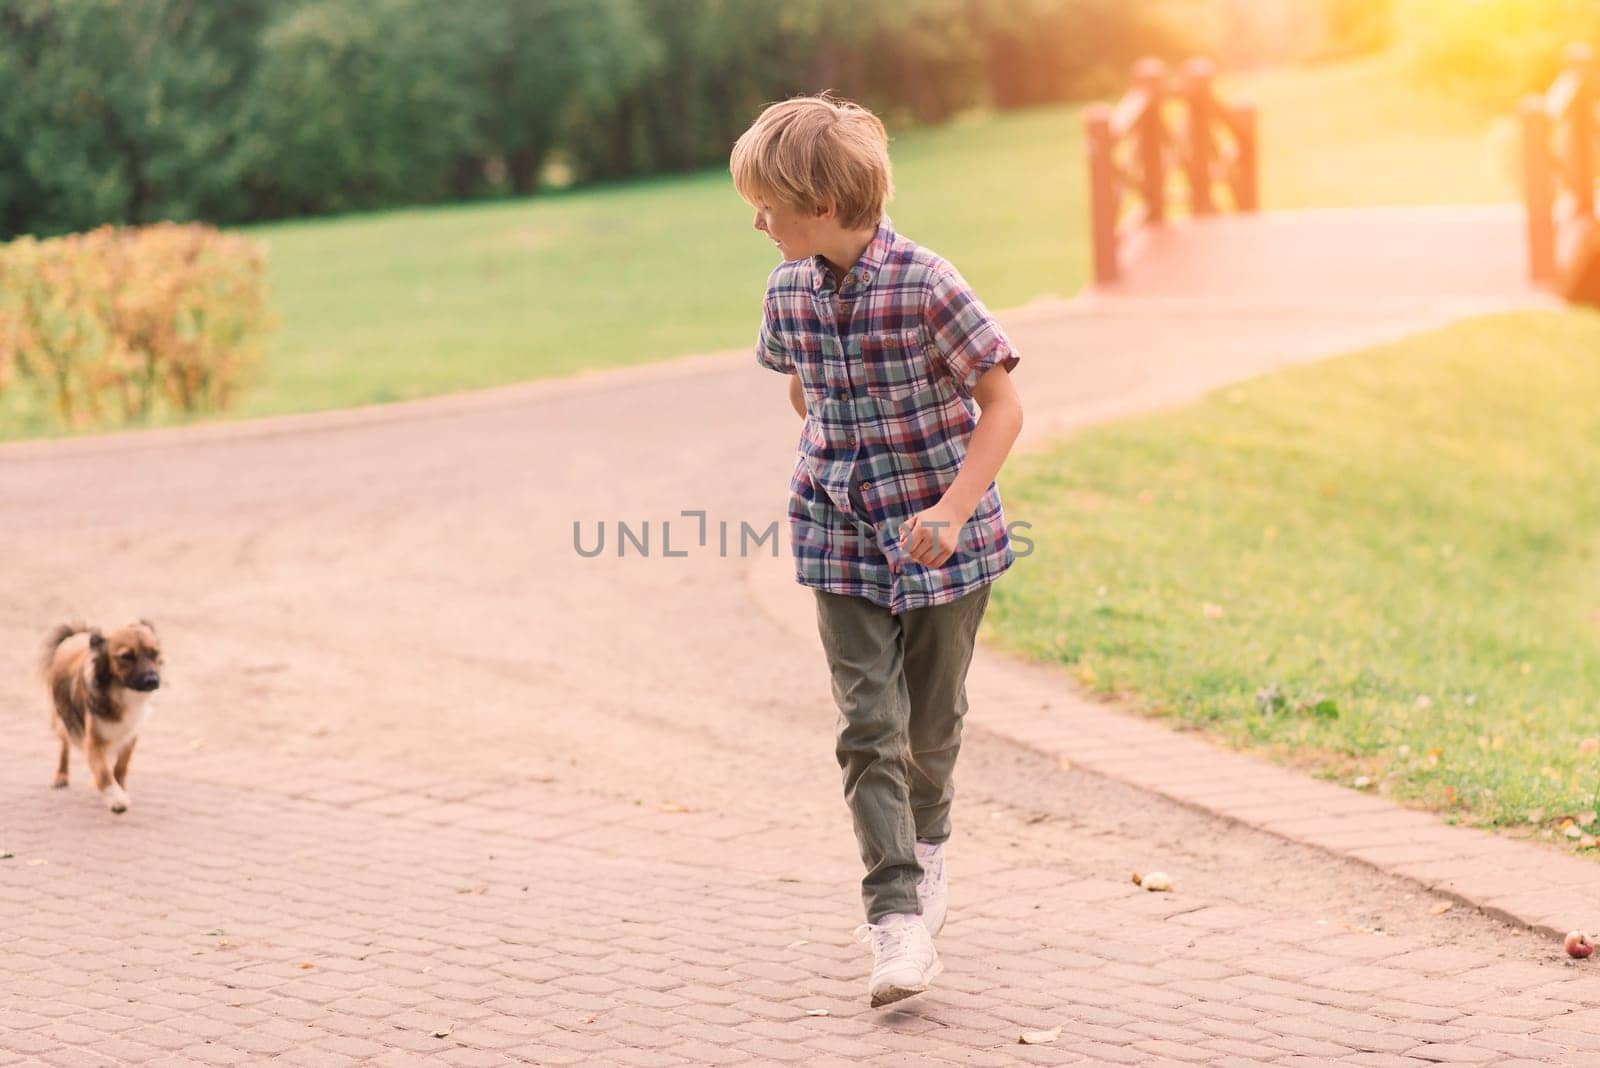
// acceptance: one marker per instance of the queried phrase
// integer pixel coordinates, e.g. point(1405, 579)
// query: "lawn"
point(1355, 134)
point(416, 302)
point(1383, 566)
point(410, 303)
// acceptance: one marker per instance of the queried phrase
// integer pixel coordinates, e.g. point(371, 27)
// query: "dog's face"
point(130, 656)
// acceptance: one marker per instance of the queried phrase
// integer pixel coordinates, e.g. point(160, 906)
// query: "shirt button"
point(842, 394)
point(865, 486)
point(852, 440)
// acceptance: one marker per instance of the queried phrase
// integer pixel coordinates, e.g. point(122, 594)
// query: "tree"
point(359, 105)
point(119, 112)
point(551, 61)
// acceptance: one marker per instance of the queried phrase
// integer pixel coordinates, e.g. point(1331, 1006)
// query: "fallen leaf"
point(36, 862)
point(1156, 880)
point(816, 1012)
point(444, 1032)
point(1439, 908)
point(796, 945)
point(1064, 763)
point(1039, 1038)
point(305, 964)
point(670, 807)
point(5, 855)
point(587, 1019)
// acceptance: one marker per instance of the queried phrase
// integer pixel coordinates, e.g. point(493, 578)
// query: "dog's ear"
point(150, 625)
point(97, 642)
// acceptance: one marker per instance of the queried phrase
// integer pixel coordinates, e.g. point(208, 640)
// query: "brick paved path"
point(428, 786)
point(328, 920)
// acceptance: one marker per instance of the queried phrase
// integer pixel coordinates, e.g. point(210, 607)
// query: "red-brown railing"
point(1560, 129)
point(1156, 145)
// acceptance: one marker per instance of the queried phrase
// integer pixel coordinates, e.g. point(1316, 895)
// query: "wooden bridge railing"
point(1156, 144)
point(1560, 131)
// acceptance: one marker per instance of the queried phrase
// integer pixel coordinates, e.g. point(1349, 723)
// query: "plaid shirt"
point(889, 411)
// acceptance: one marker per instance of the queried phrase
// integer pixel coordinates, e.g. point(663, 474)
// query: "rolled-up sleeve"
point(968, 340)
point(770, 350)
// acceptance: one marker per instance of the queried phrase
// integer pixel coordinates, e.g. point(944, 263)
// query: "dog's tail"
point(60, 634)
point(71, 715)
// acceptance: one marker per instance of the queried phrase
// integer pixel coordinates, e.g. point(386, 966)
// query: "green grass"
point(418, 302)
point(410, 303)
point(1355, 134)
point(1402, 543)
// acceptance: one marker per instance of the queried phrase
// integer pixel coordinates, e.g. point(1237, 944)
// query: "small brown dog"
point(100, 690)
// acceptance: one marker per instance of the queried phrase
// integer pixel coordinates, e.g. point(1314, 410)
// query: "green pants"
point(900, 685)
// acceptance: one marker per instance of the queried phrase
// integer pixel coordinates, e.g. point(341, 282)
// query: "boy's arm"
point(999, 423)
point(770, 350)
point(978, 356)
point(773, 355)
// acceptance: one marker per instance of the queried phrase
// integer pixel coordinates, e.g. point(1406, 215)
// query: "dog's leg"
point(95, 754)
point(61, 765)
point(121, 770)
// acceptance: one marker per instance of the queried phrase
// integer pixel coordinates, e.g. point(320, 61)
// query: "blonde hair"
point(809, 150)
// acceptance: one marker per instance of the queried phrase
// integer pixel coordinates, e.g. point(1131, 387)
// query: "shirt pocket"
point(893, 363)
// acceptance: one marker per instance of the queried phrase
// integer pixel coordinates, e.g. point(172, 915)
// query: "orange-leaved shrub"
point(113, 326)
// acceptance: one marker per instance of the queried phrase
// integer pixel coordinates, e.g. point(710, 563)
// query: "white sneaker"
point(904, 961)
point(931, 890)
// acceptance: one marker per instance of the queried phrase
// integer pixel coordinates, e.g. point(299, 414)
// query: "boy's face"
point(797, 232)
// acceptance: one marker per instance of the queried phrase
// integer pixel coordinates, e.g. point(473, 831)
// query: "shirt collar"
point(866, 268)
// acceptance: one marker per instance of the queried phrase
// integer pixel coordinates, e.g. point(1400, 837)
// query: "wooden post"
point(1249, 187)
point(1197, 77)
point(1538, 192)
point(1581, 129)
point(1104, 201)
point(1150, 75)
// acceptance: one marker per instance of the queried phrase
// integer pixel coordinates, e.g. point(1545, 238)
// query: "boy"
point(893, 513)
